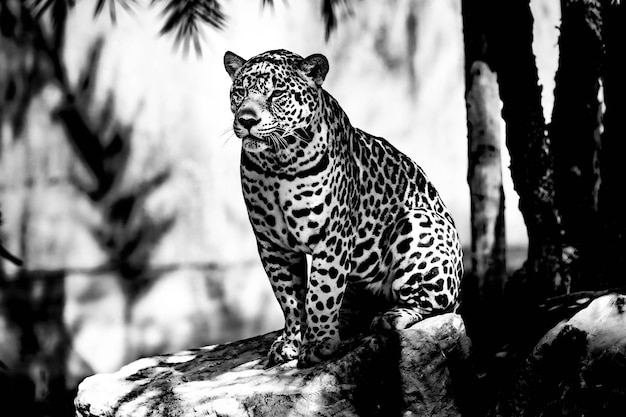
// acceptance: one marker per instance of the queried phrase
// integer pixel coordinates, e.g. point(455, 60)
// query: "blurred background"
point(119, 172)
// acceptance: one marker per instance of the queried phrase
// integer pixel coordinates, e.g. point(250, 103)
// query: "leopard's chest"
point(291, 213)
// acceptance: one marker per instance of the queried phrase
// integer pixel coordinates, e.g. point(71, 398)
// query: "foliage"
point(328, 11)
point(183, 19)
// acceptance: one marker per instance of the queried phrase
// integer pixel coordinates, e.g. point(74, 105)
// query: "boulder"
point(578, 367)
point(409, 372)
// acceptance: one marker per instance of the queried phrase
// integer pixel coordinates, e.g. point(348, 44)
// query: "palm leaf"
point(39, 7)
point(57, 8)
point(184, 19)
point(329, 14)
point(125, 4)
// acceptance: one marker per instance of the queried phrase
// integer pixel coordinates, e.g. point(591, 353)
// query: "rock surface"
point(411, 372)
point(578, 367)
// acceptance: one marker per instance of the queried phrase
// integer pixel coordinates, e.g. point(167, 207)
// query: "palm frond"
point(125, 4)
point(329, 14)
point(9, 19)
point(58, 10)
point(39, 7)
point(183, 18)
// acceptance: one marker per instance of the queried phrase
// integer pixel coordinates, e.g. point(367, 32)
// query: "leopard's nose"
point(248, 120)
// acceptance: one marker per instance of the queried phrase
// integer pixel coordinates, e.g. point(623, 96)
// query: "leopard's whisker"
point(284, 143)
point(281, 140)
point(229, 137)
point(273, 138)
point(298, 136)
point(228, 130)
point(280, 133)
point(281, 144)
point(294, 133)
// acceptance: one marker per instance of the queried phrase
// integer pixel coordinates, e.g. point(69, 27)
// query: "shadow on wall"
point(113, 266)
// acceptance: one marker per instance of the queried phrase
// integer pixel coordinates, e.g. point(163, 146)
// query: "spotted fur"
point(382, 243)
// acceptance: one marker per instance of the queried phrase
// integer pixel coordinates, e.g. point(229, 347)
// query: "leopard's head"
point(274, 97)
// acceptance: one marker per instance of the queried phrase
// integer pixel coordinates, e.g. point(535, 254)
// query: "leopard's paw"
point(282, 350)
point(397, 318)
point(316, 351)
point(383, 323)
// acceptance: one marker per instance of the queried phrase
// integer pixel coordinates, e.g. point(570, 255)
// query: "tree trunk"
point(485, 170)
point(612, 207)
point(532, 168)
point(573, 132)
point(483, 283)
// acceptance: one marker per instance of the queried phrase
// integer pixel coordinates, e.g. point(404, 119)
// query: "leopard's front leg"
point(325, 290)
point(287, 274)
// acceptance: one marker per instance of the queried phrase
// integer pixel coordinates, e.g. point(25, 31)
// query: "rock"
point(410, 372)
point(578, 367)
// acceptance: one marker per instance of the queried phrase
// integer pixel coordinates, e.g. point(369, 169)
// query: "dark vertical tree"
point(532, 163)
point(574, 132)
point(483, 282)
point(500, 34)
point(568, 174)
point(611, 204)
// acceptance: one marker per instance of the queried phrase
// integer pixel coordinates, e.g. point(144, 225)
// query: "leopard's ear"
point(232, 62)
point(315, 67)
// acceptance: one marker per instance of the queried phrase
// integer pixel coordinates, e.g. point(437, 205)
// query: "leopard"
point(348, 228)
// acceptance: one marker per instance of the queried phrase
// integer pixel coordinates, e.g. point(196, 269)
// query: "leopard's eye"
point(278, 93)
point(239, 91)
